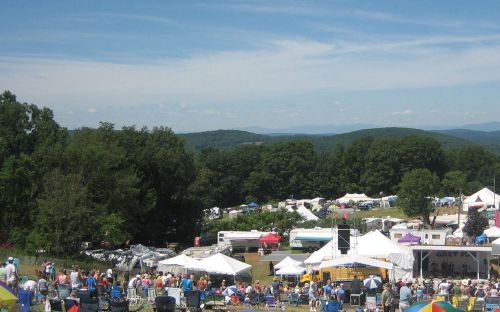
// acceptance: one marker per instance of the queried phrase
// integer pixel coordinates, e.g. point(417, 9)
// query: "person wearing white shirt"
point(10, 273)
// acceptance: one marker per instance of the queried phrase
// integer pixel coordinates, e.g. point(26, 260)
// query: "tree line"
point(59, 188)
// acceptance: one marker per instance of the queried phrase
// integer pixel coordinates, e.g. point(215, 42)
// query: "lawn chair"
point(271, 301)
point(89, 305)
point(118, 306)
point(132, 296)
point(254, 299)
point(478, 306)
point(164, 304)
point(463, 305)
point(491, 304)
point(332, 306)
point(284, 299)
point(151, 294)
point(294, 299)
point(176, 293)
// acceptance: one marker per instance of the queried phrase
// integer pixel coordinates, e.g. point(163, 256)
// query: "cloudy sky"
point(211, 65)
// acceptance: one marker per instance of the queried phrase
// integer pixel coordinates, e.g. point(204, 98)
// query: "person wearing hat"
point(275, 288)
point(480, 293)
point(11, 275)
point(340, 294)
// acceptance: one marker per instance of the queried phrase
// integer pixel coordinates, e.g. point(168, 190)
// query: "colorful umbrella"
point(7, 296)
point(372, 282)
point(230, 290)
point(425, 306)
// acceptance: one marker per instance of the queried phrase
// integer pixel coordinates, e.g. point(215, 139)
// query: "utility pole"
point(460, 207)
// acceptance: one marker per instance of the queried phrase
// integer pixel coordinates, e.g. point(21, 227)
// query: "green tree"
point(66, 214)
point(415, 192)
point(453, 183)
point(476, 223)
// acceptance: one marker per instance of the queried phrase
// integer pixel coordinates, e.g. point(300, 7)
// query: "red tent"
point(270, 239)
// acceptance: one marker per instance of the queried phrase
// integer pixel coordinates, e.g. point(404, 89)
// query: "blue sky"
point(208, 65)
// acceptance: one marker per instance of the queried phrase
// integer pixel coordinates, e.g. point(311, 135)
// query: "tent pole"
point(421, 275)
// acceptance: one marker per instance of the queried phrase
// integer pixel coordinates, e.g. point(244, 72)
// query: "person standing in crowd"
point(271, 268)
point(43, 288)
point(340, 293)
point(92, 285)
point(2, 271)
point(76, 278)
point(186, 284)
point(405, 296)
point(313, 290)
point(327, 289)
point(387, 298)
point(11, 275)
point(275, 285)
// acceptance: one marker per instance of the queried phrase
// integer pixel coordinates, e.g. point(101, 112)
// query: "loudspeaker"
point(344, 238)
point(355, 300)
point(193, 298)
point(326, 276)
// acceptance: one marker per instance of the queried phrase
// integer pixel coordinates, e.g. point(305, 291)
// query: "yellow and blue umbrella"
point(425, 306)
point(7, 296)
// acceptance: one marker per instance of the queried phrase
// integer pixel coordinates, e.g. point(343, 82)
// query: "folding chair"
point(294, 299)
point(89, 305)
point(132, 296)
point(118, 306)
point(478, 306)
point(164, 304)
point(254, 299)
point(271, 301)
point(151, 295)
point(491, 304)
point(463, 305)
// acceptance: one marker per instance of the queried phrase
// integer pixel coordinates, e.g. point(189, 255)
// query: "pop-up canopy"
point(270, 238)
point(356, 261)
point(410, 238)
point(287, 261)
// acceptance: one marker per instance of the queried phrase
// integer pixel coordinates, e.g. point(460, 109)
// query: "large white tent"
point(287, 261)
point(176, 264)
point(306, 214)
point(495, 247)
point(373, 245)
point(291, 269)
point(484, 195)
point(220, 264)
point(354, 197)
point(356, 260)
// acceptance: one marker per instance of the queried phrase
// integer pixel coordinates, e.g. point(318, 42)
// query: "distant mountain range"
point(449, 138)
point(338, 129)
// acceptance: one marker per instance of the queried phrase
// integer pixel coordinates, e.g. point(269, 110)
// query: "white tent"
point(485, 195)
point(495, 247)
point(291, 269)
point(355, 197)
point(220, 264)
point(356, 259)
point(176, 264)
point(373, 245)
point(492, 232)
point(306, 214)
point(287, 261)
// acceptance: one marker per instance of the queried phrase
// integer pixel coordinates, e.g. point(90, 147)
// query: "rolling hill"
point(450, 139)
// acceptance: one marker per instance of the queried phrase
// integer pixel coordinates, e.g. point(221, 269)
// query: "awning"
point(325, 237)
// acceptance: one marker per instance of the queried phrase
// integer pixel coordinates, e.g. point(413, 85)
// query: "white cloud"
point(403, 113)
point(92, 110)
point(285, 68)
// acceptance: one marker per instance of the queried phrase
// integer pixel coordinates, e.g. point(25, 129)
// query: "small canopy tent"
point(291, 270)
point(409, 238)
point(270, 241)
point(222, 265)
point(356, 261)
point(287, 261)
point(176, 264)
point(492, 232)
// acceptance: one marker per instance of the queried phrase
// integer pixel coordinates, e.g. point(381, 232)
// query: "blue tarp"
point(252, 204)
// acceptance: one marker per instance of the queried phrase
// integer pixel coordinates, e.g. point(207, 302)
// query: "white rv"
point(240, 240)
point(313, 239)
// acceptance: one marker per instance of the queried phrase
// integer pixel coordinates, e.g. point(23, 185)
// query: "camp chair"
point(132, 296)
point(68, 303)
point(271, 301)
point(118, 306)
point(491, 304)
point(332, 306)
point(478, 306)
point(63, 291)
point(284, 298)
point(176, 293)
point(164, 304)
point(151, 294)
point(463, 305)
point(294, 299)
point(89, 305)
point(56, 305)
point(254, 299)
